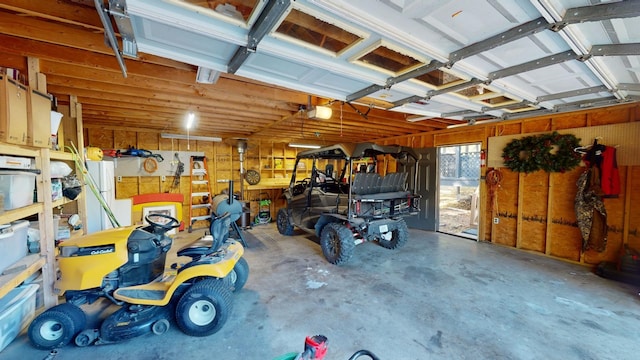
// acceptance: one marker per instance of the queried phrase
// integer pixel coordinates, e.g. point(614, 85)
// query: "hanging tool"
point(175, 184)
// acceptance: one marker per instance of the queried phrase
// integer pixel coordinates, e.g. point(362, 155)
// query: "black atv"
point(356, 193)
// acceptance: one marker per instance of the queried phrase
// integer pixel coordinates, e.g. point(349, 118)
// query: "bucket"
point(245, 220)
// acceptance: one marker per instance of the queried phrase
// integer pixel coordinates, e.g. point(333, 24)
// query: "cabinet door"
point(39, 119)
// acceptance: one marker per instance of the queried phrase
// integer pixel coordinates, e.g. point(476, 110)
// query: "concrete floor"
point(439, 297)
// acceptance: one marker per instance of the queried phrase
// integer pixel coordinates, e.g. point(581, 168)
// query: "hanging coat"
point(590, 212)
point(609, 174)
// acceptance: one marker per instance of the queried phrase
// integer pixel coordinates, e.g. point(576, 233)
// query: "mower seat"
point(219, 229)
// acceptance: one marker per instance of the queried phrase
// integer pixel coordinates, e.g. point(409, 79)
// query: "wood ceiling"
point(68, 39)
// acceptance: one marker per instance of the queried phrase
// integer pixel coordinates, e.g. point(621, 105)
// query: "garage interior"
point(417, 73)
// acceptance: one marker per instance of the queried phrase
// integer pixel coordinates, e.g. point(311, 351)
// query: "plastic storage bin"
point(17, 309)
point(17, 188)
point(13, 242)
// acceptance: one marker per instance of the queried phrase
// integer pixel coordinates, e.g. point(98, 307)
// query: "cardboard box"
point(13, 111)
point(39, 119)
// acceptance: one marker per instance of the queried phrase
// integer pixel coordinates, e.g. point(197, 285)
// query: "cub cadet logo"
point(102, 251)
point(96, 250)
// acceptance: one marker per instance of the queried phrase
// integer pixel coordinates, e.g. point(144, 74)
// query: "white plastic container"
point(15, 162)
point(17, 309)
point(13, 242)
point(17, 187)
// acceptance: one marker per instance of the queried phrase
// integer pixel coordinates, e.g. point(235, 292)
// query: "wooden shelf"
point(61, 202)
point(7, 149)
point(59, 155)
point(26, 267)
point(19, 213)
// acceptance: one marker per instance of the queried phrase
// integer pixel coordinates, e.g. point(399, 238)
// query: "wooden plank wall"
point(222, 161)
point(536, 211)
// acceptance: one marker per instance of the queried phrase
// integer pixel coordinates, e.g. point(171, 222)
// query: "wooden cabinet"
point(13, 111)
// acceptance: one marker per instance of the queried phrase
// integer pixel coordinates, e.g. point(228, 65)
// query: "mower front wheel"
point(204, 308)
point(51, 329)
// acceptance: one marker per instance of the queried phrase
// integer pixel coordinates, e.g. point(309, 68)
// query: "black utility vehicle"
point(355, 193)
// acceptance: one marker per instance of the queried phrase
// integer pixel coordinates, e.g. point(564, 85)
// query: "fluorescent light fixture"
point(305, 146)
point(207, 76)
point(472, 122)
point(320, 112)
point(190, 118)
point(190, 137)
point(419, 118)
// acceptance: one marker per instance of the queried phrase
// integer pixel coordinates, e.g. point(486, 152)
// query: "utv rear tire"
point(51, 329)
point(337, 243)
point(399, 236)
point(239, 275)
point(284, 226)
point(204, 308)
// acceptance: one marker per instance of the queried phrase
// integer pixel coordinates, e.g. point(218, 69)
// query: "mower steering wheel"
point(162, 227)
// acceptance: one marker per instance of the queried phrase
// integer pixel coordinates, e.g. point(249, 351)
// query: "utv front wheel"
point(337, 243)
point(399, 236)
point(284, 226)
point(204, 308)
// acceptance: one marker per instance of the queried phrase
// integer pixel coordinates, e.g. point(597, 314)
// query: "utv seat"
point(219, 229)
point(367, 186)
point(366, 183)
point(393, 182)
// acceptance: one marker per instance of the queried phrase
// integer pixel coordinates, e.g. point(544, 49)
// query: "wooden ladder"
point(199, 191)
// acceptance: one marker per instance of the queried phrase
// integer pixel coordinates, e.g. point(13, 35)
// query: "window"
point(234, 9)
point(439, 79)
point(383, 57)
point(320, 34)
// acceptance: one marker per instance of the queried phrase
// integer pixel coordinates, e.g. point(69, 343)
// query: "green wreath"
point(549, 152)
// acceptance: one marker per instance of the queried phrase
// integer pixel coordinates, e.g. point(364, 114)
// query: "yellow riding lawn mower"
point(127, 266)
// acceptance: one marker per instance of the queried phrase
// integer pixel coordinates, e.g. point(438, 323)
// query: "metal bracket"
point(110, 35)
point(267, 20)
point(118, 10)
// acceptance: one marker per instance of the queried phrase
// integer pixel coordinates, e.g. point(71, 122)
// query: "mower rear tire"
point(399, 236)
point(337, 243)
point(239, 275)
point(204, 308)
point(78, 317)
point(283, 223)
point(51, 329)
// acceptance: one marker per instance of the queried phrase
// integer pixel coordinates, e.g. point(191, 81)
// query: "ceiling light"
point(319, 112)
point(187, 137)
point(190, 118)
point(419, 118)
point(305, 146)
